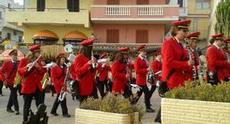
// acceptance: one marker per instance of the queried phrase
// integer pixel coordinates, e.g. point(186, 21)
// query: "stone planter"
point(178, 111)
point(84, 116)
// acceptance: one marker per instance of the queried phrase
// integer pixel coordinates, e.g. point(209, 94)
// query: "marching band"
point(173, 64)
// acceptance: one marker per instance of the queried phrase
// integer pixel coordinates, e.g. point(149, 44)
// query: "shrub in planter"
point(197, 102)
point(113, 104)
point(196, 90)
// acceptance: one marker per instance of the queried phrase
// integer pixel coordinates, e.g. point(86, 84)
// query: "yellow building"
point(199, 12)
point(51, 21)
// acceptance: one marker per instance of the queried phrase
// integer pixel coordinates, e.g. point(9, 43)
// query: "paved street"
point(9, 118)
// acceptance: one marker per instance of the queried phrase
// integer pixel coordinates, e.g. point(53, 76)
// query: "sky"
point(19, 1)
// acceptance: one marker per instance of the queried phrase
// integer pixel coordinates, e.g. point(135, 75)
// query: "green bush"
point(203, 91)
point(113, 104)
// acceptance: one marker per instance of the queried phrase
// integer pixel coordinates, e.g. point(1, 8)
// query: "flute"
point(34, 62)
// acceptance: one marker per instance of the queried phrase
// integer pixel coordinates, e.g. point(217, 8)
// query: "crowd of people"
point(174, 63)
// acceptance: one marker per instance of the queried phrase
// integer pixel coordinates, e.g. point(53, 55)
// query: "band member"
point(58, 75)
point(142, 67)
point(226, 48)
point(193, 38)
point(31, 71)
point(156, 65)
point(85, 70)
point(9, 70)
point(120, 75)
point(218, 66)
point(102, 79)
point(174, 59)
point(1, 84)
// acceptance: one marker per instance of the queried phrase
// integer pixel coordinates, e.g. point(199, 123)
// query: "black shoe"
point(66, 115)
point(10, 110)
point(150, 110)
point(17, 113)
point(54, 113)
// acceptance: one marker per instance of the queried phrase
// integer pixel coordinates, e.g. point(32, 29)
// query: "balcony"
point(49, 16)
point(134, 13)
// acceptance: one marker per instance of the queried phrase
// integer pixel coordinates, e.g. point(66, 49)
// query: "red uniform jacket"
point(156, 66)
point(57, 77)
point(120, 81)
point(9, 71)
point(217, 61)
point(173, 55)
point(30, 80)
point(85, 74)
point(103, 72)
point(141, 67)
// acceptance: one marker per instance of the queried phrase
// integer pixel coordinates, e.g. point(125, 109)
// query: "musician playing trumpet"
point(58, 74)
point(192, 40)
point(31, 71)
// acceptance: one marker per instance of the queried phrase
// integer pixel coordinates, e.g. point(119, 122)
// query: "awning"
point(45, 35)
point(74, 35)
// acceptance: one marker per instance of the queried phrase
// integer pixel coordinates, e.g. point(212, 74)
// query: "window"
point(142, 36)
point(0, 15)
point(40, 5)
point(113, 2)
point(19, 38)
point(112, 36)
point(180, 3)
point(73, 5)
point(202, 4)
point(8, 36)
point(142, 2)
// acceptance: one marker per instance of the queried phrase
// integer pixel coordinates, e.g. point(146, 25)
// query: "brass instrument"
point(63, 92)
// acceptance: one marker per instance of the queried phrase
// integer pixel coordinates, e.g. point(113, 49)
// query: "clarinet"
point(194, 70)
point(63, 93)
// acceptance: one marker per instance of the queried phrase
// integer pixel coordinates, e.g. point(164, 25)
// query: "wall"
point(14, 38)
point(84, 4)
point(192, 9)
point(127, 33)
point(60, 30)
point(175, 111)
point(129, 2)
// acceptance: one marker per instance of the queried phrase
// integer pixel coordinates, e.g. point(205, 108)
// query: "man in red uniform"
point(58, 75)
point(218, 66)
point(141, 67)
point(85, 70)
point(174, 59)
point(120, 75)
point(31, 71)
point(193, 38)
point(102, 72)
point(9, 70)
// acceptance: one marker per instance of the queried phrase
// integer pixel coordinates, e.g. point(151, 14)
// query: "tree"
point(223, 18)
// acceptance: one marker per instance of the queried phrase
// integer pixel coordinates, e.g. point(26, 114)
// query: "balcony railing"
point(98, 12)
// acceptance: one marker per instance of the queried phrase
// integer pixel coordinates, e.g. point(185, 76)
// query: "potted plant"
point(197, 102)
point(109, 110)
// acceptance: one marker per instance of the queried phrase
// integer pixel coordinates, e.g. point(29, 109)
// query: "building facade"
point(132, 21)
point(52, 21)
point(9, 32)
point(199, 12)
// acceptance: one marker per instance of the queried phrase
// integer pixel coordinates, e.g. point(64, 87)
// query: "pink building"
point(132, 21)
